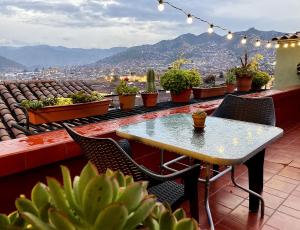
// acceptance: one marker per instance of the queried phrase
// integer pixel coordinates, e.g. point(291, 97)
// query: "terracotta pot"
point(149, 99)
point(127, 102)
point(244, 83)
point(68, 112)
point(199, 121)
point(209, 92)
point(182, 97)
point(230, 88)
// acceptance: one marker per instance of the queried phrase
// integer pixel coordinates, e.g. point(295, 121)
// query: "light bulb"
point(244, 40)
point(293, 44)
point(189, 19)
point(277, 46)
point(161, 6)
point(286, 45)
point(210, 29)
point(229, 35)
point(269, 45)
point(257, 43)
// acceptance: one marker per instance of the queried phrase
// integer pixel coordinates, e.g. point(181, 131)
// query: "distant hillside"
point(45, 56)
point(9, 65)
point(209, 52)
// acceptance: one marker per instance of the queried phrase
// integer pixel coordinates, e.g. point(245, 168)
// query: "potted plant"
point(180, 83)
point(260, 79)
point(199, 118)
point(209, 88)
point(77, 105)
point(93, 201)
point(127, 95)
point(150, 95)
point(230, 81)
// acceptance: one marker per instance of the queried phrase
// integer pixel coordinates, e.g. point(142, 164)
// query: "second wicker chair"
point(106, 153)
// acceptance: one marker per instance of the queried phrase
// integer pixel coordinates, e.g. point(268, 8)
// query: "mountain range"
point(207, 51)
point(47, 56)
point(7, 65)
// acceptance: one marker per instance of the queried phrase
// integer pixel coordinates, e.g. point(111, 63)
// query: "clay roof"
point(14, 92)
point(294, 36)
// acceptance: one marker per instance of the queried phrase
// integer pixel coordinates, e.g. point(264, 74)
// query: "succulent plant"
point(151, 81)
point(108, 201)
point(124, 89)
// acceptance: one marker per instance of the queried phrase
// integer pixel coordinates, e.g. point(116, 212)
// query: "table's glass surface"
point(222, 141)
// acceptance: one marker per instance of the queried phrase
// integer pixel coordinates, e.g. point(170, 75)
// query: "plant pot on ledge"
point(230, 88)
point(68, 112)
point(244, 83)
point(201, 92)
point(182, 97)
point(149, 99)
point(127, 102)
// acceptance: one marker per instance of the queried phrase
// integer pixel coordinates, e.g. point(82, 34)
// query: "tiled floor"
point(229, 205)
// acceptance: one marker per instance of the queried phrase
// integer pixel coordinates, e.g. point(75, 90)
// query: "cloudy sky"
point(108, 23)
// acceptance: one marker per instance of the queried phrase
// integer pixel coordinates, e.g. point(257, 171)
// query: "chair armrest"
point(180, 174)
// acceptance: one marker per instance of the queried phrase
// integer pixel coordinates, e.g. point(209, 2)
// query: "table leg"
point(255, 167)
point(251, 193)
point(161, 161)
point(207, 184)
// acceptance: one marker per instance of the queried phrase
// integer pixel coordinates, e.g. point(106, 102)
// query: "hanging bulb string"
point(192, 15)
point(212, 26)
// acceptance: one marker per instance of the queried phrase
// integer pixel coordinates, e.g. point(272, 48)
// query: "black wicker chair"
point(106, 153)
point(256, 110)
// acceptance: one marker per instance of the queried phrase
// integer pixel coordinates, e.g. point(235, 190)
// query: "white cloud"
point(106, 23)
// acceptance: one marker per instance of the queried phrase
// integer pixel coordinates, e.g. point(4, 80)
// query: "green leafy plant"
point(150, 87)
point(200, 112)
point(80, 97)
point(109, 201)
point(248, 67)
point(83, 97)
point(230, 77)
point(124, 89)
point(178, 80)
point(260, 79)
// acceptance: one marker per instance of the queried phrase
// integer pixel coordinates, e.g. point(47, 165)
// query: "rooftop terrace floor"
point(229, 205)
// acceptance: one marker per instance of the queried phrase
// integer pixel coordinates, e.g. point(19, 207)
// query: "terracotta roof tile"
point(14, 92)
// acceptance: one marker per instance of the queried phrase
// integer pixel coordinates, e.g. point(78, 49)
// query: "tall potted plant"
point(127, 95)
point(150, 95)
point(244, 74)
point(230, 81)
point(180, 83)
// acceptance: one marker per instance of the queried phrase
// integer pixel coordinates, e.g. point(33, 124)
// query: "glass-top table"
point(222, 142)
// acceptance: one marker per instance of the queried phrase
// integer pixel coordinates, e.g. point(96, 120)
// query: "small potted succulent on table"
point(199, 118)
point(150, 95)
point(230, 81)
point(127, 95)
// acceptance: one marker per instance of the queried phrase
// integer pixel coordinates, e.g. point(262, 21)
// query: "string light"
point(210, 29)
point(244, 40)
point(229, 35)
point(257, 43)
point(161, 5)
point(269, 45)
point(189, 19)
